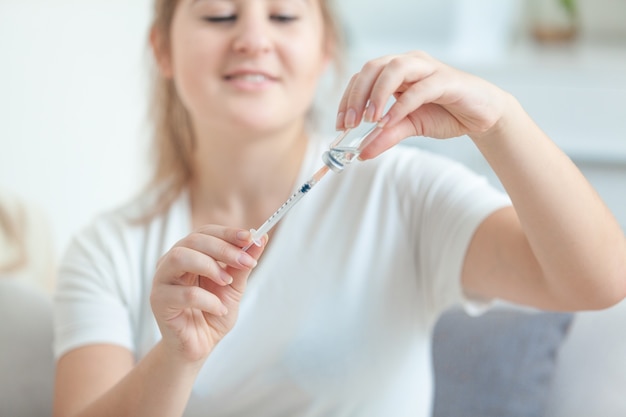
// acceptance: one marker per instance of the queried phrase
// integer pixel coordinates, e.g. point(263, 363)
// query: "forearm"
point(156, 386)
point(576, 240)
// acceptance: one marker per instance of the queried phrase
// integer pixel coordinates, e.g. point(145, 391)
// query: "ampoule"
point(347, 146)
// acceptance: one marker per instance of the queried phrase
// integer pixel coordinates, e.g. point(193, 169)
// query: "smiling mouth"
point(251, 78)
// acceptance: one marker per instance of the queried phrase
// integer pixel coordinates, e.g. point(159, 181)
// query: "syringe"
point(282, 210)
point(342, 151)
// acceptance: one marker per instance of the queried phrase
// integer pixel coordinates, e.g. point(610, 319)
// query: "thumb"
point(388, 137)
point(240, 276)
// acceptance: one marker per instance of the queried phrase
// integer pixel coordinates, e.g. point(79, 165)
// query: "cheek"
point(309, 63)
point(190, 68)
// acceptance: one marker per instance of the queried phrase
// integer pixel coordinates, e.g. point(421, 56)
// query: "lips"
point(250, 78)
point(254, 77)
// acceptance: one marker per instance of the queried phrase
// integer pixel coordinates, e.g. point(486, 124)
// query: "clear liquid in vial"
point(344, 155)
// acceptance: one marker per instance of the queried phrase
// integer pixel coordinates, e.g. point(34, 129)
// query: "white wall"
point(576, 92)
point(73, 138)
point(72, 106)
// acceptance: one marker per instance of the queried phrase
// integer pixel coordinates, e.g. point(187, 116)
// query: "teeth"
point(252, 78)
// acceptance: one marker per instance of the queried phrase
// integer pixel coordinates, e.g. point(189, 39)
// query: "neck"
point(240, 179)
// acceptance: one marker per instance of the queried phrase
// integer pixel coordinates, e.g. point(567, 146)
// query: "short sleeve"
point(91, 300)
point(451, 202)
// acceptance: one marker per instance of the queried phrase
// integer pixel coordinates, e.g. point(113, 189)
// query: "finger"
point(360, 90)
point(425, 91)
point(341, 111)
point(387, 138)
point(222, 244)
point(235, 236)
point(240, 277)
point(181, 261)
point(398, 76)
point(177, 297)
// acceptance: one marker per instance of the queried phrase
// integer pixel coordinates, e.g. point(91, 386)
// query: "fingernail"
point(226, 279)
point(243, 235)
point(223, 311)
point(384, 121)
point(340, 117)
point(370, 113)
point(246, 260)
point(350, 118)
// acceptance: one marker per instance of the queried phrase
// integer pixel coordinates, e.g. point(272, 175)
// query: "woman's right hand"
point(198, 286)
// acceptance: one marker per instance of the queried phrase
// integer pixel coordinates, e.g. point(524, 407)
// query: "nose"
point(253, 35)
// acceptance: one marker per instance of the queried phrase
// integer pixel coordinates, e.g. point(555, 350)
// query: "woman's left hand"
point(432, 99)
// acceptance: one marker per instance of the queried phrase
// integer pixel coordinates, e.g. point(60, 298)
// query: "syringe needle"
point(283, 209)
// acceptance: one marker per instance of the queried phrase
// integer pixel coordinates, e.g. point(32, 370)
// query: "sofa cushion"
point(498, 364)
point(26, 361)
point(590, 377)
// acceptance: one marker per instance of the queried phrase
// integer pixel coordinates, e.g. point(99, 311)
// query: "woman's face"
point(250, 64)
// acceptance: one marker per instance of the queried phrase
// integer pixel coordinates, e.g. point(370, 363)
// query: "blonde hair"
point(173, 133)
point(12, 233)
point(26, 246)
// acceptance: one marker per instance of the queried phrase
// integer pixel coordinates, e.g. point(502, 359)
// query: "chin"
point(265, 119)
point(257, 124)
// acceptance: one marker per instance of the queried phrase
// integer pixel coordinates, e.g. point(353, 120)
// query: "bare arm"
point(195, 299)
point(560, 248)
point(102, 380)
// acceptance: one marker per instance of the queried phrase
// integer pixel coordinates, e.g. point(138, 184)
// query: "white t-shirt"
point(337, 316)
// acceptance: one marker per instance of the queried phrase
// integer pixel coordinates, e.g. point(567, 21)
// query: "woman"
point(169, 315)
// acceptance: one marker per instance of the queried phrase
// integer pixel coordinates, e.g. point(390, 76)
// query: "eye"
point(283, 18)
point(220, 19)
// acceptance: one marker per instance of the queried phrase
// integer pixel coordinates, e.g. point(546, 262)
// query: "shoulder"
point(410, 170)
point(405, 159)
point(117, 224)
point(125, 233)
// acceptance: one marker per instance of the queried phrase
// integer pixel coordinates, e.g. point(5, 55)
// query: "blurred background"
point(74, 139)
point(73, 133)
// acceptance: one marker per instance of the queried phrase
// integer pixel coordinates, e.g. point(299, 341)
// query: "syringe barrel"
point(258, 234)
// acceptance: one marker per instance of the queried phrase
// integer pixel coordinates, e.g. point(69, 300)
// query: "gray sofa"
point(506, 363)
point(514, 362)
